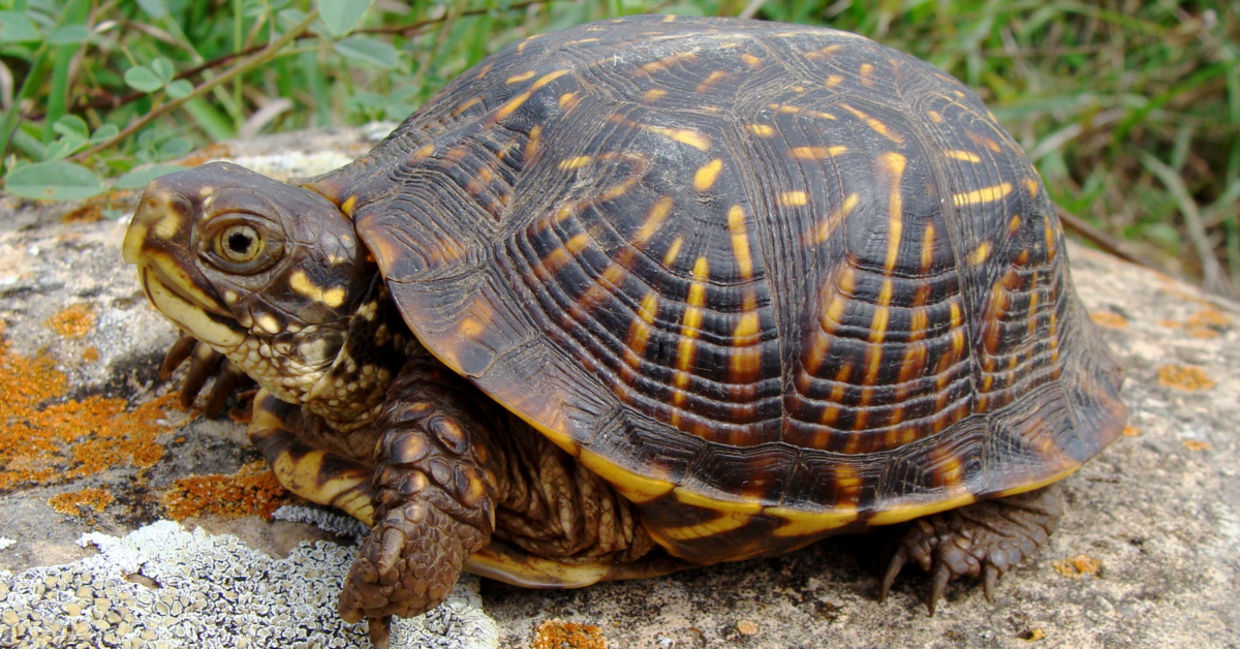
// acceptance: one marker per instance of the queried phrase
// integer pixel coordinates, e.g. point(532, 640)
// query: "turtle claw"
point(204, 364)
point(380, 629)
point(990, 580)
point(983, 540)
point(894, 566)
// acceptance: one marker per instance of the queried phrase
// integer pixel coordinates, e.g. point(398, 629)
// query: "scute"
point(794, 271)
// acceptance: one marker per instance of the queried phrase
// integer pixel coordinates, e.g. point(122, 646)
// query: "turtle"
point(644, 294)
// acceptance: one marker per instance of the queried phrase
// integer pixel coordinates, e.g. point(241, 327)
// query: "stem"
point(259, 58)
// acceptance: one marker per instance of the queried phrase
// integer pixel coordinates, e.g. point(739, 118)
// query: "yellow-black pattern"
point(769, 281)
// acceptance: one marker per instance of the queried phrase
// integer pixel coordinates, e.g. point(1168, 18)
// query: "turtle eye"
point(238, 243)
point(241, 244)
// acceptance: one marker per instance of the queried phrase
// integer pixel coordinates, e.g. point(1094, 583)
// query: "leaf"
point(142, 78)
point(368, 50)
point(179, 88)
point(72, 125)
point(104, 133)
point(162, 69)
point(68, 34)
point(341, 16)
point(141, 176)
point(16, 27)
point(58, 181)
point(154, 8)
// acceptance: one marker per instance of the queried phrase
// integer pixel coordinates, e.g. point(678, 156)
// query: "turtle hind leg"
point(983, 540)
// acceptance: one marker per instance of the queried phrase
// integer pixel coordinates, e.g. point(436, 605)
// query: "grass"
point(1129, 108)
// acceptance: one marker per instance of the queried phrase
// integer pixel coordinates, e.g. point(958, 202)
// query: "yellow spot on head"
point(706, 175)
point(268, 323)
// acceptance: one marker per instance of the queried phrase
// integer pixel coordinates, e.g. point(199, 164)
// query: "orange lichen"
point(88, 213)
point(252, 490)
point(1109, 319)
point(73, 321)
point(44, 442)
point(1130, 431)
point(1197, 445)
point(1033, 634)
point(73, 502)
point(1184, 377)
point(747, 627)
point(558, 634)
point(90, 354)
point(1076, 566)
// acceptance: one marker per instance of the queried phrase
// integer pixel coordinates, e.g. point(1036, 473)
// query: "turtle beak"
point(158, 242)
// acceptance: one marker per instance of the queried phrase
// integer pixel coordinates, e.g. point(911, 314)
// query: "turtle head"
point(270, 274)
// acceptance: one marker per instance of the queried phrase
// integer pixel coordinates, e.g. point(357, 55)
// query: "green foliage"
point(1129, 108)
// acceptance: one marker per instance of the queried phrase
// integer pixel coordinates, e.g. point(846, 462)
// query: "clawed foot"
point(983, 540)
point(204, 364)
point(408, 564)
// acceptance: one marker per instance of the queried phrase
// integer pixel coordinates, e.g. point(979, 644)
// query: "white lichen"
point(165, 586)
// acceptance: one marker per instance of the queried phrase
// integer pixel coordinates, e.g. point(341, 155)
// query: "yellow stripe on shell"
point(875, 124)
point(704, 178)
point(799, 522)
point(894, 164)
point(827, 225)
point(983, 195)
point(740, 241)
point(817, 152)
point(964, 156)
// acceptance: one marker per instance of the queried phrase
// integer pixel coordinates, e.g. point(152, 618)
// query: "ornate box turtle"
point(714, 286)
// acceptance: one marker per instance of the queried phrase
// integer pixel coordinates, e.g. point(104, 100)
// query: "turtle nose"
point(159, 215)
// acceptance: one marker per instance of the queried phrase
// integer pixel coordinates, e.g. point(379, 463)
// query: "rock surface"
point(92, 443)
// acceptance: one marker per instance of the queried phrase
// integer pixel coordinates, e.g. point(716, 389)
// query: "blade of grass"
point(1212, 275)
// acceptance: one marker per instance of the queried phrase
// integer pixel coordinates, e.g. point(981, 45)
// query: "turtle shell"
point(771, 281)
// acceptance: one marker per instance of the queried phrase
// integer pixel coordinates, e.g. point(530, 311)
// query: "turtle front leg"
point(283, 432)
point(983, 540)
point(434, 499)
point(204, 364)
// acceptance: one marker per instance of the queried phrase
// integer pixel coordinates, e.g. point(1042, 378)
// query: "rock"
point(92, 446)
